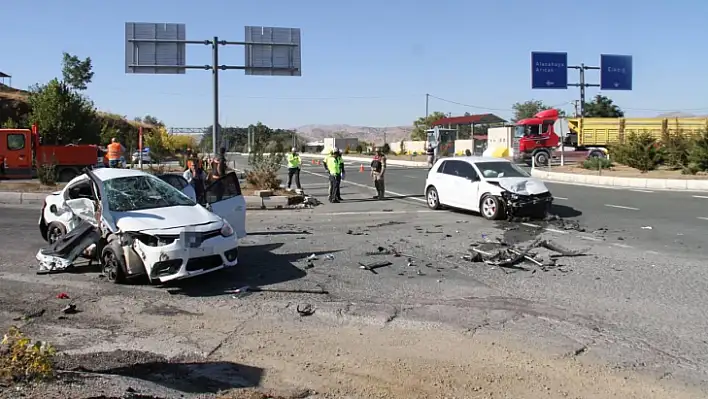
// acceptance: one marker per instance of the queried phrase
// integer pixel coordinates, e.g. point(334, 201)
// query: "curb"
point(252, 202)
point(624, 182)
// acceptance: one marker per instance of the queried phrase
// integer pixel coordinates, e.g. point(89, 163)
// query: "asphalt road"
point(654, 221)
point(621, 305)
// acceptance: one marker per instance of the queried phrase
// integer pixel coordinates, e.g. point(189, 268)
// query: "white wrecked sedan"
point(494, 187)
point(146, 226)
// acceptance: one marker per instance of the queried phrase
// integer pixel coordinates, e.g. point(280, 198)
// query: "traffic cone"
point(361, 168)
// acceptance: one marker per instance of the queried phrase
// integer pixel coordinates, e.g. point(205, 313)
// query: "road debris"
point(62, 295)
point(384, 224)
point(62, 254)
point(507, 256)
point(31, 315)
point(70, 309)
point(249, 289)
point(357, 233)
point(646, 227)
point(372, 266)
point(305, 310)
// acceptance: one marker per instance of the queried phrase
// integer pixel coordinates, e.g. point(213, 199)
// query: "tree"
point(602, 107)
point(151, 120)
point(422, 124)
point(530, 108)
point(63, 115)
point(77, 73)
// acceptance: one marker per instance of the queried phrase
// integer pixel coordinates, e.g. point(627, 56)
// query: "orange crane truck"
point(21, 152)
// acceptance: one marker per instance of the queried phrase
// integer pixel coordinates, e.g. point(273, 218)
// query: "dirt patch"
point(248, 190)
point(409, 363)
point(626, 171)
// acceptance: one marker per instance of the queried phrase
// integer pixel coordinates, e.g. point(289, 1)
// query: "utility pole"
point(427, 104)
point(581, 69)
point(576, 104)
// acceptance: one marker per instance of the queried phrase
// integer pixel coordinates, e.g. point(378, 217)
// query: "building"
point(331, 143)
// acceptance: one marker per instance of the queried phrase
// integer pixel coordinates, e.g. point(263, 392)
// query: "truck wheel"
point(112, 265)
point(596, 154)
point(541, 158)
point(65, 175)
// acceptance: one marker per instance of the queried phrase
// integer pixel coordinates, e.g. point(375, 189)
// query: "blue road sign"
point(549, 70)
point(615, 72)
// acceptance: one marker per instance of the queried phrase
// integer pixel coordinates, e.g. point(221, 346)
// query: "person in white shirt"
point(196, 177)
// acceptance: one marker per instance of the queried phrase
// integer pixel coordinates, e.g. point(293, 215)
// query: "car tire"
point(432, 198)
point(112, 265)
point(54, 231)
point(490, 207)
point(541, 158)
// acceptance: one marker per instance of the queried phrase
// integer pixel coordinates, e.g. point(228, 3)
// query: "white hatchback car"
point(494, 187)
point(147, 226)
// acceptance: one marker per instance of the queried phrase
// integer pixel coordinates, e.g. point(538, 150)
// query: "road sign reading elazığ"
point(615, 72)
point(549, 70)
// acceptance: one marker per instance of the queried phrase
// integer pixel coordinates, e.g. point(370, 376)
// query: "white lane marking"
point(641, 191)
point(622, 207)
point(653, 252)
point(408, 196)
point(702, 218)
point(700, 196)
point(556, 231)
point(590, 238)
point(560, 198)
point(622, 245)
point(531, 225)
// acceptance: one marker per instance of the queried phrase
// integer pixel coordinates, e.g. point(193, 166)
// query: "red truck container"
point(21, 153)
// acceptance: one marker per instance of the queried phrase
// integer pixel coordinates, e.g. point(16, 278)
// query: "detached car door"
point(225, 199)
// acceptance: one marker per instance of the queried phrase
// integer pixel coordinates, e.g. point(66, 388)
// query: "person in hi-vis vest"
point(115, 152)
point(294, 164)
point(335, 168)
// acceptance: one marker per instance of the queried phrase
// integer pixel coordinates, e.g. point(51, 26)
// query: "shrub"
point(359, 148)
point(263, 174)
point(698, 154)
point(386, 149)
point(346, 150)
point(597, 163)
point(675, 149)
point(640, 151)
point(47, 173)
point(23, 361)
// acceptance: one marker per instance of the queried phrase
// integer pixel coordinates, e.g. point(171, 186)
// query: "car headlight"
point(227, 230)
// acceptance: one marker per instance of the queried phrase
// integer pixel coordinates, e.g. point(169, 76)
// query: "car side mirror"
point(53, 209)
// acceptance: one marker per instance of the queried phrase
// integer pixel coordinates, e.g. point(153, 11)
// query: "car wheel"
point(54, 231)
point(490, 207)
point(111, 266)
point(432, 198)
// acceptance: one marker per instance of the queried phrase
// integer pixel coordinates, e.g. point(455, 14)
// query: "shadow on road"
point(564, 211)
point(258, 266)
point(186, 377)
point(278, 233)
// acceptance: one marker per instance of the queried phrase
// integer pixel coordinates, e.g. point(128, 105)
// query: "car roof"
point(475, 159)
point(104, 174)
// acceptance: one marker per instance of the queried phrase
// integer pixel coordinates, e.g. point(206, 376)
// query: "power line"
point(487, 108)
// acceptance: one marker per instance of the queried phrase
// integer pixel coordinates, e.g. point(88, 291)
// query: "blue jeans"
point(113, 163)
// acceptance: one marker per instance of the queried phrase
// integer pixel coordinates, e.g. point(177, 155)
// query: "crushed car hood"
point(164, 218)
point(521, 185)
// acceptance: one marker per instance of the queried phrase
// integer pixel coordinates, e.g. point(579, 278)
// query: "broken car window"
point(224, 188)
point(136, 193)
point(81, 189)
point(493, 170)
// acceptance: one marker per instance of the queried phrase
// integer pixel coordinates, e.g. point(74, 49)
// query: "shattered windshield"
point(134, 193)
point(493, 170)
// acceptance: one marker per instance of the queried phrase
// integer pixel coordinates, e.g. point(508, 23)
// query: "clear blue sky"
point(367, 62)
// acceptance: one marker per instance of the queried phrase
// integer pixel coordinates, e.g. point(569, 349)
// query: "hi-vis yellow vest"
point(293, 161)
point(334, 165)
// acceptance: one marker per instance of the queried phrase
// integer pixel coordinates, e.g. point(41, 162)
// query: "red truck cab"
point(535, 138)
point(21, 152)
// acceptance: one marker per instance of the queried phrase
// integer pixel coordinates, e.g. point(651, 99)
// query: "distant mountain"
point(393, 134)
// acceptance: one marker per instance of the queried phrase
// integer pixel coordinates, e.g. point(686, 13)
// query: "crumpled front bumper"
point(179, 260)
point(526, 205)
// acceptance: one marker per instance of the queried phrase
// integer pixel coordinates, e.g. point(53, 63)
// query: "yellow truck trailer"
point(601, 132)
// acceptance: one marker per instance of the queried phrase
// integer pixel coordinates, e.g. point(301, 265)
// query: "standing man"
point(294, 163)
point(338, 155)
point(115, 152)
point(430, 151)
point(378, 169)
point(325, 163)
point(333, 164)
point(196, 178)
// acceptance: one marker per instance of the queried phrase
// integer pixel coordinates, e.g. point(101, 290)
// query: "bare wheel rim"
point(489, 207)
point(432, 198)
point(53, 234)
point(542, 159)
point(110, 266)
